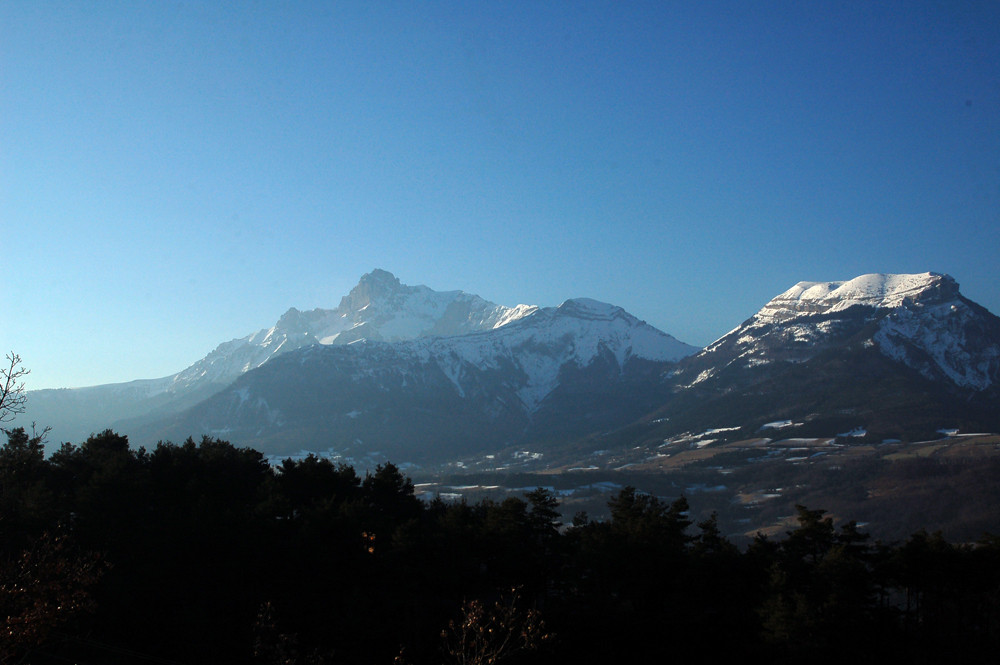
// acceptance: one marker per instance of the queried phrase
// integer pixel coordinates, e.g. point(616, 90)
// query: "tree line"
point(202, 552)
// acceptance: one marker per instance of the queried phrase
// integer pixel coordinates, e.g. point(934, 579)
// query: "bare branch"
point(12, 394)
point(489, 635)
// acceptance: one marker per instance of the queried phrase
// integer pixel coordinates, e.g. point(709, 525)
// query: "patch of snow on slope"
point(543, 378)
point(703, 376)
point(453, 370)
point(513, 314)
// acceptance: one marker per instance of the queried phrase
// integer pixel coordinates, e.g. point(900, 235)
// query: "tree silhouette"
point(12, 395)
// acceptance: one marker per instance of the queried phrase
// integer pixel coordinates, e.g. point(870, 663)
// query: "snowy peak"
point(231, 359)
point(920, 320)
point(875, 290)
point(378, 308)
point(947, 338)
point(586, 308)
point(576, 333)
point(600, 325)
point(531, 352)
point(381, 308)
point(878, 290)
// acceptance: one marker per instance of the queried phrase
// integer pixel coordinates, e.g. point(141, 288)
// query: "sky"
point(174, 175)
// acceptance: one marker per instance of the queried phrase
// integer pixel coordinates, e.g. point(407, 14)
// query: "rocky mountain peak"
point(294, 321)
point(374, 286)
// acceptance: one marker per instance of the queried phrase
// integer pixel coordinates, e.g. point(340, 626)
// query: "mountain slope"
point(550, 375)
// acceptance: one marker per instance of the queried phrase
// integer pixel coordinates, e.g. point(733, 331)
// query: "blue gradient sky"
point(177, 174)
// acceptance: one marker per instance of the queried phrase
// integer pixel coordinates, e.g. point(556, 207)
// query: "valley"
point(892, 488)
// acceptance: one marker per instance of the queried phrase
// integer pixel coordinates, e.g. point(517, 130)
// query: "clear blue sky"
point(177, 174)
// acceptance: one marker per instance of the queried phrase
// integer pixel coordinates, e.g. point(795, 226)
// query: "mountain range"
point(419, 376)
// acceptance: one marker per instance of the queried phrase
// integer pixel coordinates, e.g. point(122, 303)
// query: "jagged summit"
point(378, 308)
point(382, 277)
point(373, 286)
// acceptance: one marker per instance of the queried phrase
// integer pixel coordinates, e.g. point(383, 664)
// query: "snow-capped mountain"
point(886, 352)
point(379, 307)
point(920, 320)
point(548, 373)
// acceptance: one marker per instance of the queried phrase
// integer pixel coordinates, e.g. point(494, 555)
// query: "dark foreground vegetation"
point(202, 553)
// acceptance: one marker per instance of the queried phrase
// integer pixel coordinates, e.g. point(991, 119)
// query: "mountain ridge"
point(380, 308)
point(493, 382)
point(893, 353)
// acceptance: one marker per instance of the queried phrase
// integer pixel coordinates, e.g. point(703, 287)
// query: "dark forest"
point(204, 553)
